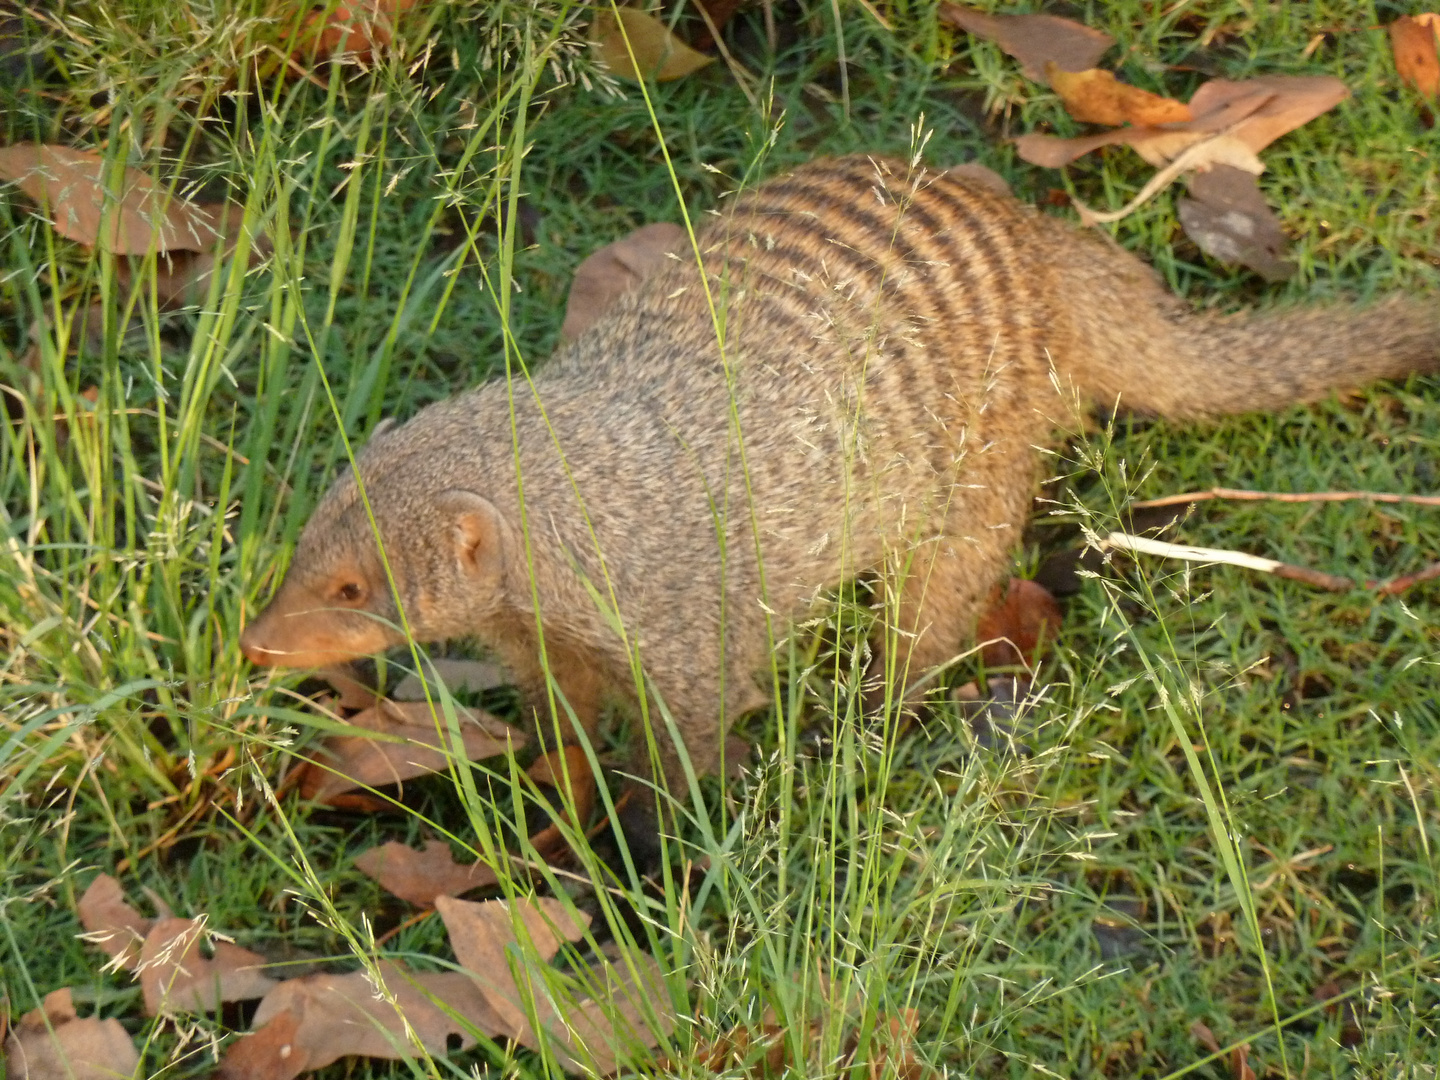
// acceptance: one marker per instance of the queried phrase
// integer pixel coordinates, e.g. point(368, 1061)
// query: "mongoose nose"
point(252, 649)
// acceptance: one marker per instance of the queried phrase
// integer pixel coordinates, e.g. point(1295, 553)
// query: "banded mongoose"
point(857, 386)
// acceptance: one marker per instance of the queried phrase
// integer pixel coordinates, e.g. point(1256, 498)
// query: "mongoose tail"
point(1143, 346)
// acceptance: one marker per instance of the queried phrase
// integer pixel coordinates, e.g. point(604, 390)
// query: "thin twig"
point(1285, 496)
point(743, 78)
point(1395, 586)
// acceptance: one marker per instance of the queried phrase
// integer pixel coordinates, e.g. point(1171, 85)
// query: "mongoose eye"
point(349, 592)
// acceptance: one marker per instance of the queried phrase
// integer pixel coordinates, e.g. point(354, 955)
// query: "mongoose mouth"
point(311, 639)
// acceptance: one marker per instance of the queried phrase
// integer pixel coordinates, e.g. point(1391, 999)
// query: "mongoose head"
point(445, 549)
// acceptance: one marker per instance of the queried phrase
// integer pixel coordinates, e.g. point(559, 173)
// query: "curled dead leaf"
point(182, 277)
point(1035, 40)
point(349, 28)
point(624, 1014)
point(397, 741)
point(482, 934)
point(657, 53)
point(1097, 97)
point(271, 1053)
point(1254, 112)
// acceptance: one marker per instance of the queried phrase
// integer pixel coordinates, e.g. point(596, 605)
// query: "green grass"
point(1071, 912)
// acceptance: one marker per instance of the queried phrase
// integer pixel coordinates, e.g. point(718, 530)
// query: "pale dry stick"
point(1318, 578)
point(1242, 495)
point(1126, 542)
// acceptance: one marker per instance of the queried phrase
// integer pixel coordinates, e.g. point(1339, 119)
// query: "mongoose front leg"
point(935, 591)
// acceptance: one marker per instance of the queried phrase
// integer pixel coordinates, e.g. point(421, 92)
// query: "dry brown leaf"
point(1415, 40)
point(1216, 150)
point(456, 675)
point(352, 28)
point(337, 1016)
point(608, 274)
point(182, 277)
point(1254, 112)
point(1293, 101)
point(1229, 219)
point(658, 54)
point(1202, 1034)
point(268, 1054)
point(112, 924)
point(411, 747)
point(1018, 624)
point(174, 976)
point(351, 693)
point(625, 1015)
point(1097, 97)
point(1034, 40)
point(52, 1043)
point(72, 186)
point(421, 876)
point(480, 934)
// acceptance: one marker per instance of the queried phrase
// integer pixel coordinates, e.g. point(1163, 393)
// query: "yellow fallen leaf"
point(658, 54)
point(1097, 97)
point(1415, 41)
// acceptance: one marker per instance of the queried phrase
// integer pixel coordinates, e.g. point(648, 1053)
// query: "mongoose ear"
point(477, 531)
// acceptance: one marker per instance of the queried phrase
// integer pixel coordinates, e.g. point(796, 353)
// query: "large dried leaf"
point(52, 1043)
point(1254, 112)
point(112, 924)
point(482, 935)
point(327, 1017)
point(608, 274)
point(174, 976)
point(77, 189)
point(407, 746)
point(624, 1014)
point(1416, 44)
point(1097, 97)
point(1293, 100)
point(421, 876)
point(1034, 40)
point(658, 54)
point(1228, 218)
